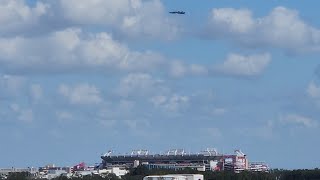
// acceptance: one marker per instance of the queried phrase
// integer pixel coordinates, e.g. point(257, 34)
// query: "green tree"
point(19, 176)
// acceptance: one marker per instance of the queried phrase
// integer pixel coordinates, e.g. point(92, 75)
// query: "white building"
point(175, 177)
point(115, 170)
point(54, 173)
point(5, 171)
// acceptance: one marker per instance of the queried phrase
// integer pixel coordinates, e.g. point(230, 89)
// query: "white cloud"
point(313, 90)
point(140, 84)
point(16, 16)
point(23, 115)
point(180, 69)
point(101, 12)
point(197, 69)
point(298, 120)
point(153, 90)
point(282, 28)
point(171, 103)
point(134, 18)
point(176, 102)
point(233, 20)
point(83, 94)
point(240, 65)
point(158, 100)
point(72, 50)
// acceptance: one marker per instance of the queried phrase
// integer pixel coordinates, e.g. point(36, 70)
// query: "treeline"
point(276, 174)
point(142, 171)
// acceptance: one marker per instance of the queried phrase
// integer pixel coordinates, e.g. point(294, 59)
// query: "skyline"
point(79, 77)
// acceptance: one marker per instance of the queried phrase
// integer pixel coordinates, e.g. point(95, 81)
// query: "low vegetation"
point(141, 171)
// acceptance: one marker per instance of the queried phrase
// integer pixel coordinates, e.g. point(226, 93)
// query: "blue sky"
point(79, 77)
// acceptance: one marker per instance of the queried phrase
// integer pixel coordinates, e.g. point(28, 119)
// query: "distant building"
point(207, 160)
point(31, 170)
point(258, 167)
point(175, 177)
point(115, 170)
point(53, 173)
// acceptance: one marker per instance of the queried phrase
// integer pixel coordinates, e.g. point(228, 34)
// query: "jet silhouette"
point(177, 12)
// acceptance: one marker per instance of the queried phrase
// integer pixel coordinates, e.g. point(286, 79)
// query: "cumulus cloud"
point(154, 90)
point(313, 90)
point(233, 20)
point(17, 17)
point(234, 65)
point(140, 84)
point(23, 114)
point(104, 12)
point(282, 28)
point(82, 94)
point(180, 69)
point(240, 65)
point(298, 120)
point(73, 50)
point(70, 50)
point(172, 103)
point(134, 18)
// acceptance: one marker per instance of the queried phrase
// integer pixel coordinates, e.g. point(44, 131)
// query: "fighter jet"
point(177, 12)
